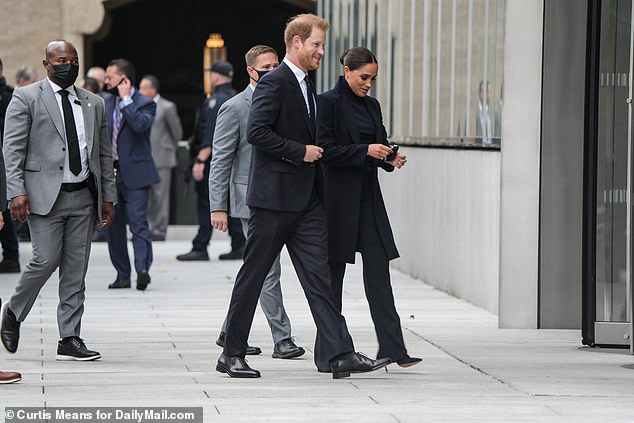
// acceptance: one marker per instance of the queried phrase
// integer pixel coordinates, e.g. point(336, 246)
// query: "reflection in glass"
point(611, 236)
point(433, 55)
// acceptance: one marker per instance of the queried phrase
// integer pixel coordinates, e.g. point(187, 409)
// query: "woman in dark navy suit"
point(355, 144)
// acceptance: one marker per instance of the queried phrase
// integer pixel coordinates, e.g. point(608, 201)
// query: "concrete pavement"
point(158, 350)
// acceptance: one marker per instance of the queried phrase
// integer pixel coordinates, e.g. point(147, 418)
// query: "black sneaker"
point(73, 348)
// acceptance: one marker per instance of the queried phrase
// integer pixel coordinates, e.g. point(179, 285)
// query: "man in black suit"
point(286, 206)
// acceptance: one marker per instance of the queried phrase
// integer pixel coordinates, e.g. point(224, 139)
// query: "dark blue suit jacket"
point(279, 129)
point(136, 166)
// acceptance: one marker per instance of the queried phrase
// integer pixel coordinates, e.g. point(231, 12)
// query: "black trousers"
point(378, 288)
point(304, 234)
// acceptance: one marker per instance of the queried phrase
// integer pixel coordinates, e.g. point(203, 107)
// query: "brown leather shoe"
point(10, 377)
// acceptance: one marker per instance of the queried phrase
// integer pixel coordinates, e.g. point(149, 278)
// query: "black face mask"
point(114, 90)
point(260, 74)
point(65, 74)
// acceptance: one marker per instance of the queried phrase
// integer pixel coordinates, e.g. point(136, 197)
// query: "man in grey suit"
point(229, 174)
point(164, 138)
point(59, 175)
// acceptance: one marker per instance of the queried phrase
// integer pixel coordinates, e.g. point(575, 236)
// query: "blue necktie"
point(116, 126)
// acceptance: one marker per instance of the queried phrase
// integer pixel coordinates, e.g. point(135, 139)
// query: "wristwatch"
point(197, 160)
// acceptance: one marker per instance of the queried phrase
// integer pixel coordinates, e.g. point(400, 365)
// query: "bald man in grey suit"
point(59, 171)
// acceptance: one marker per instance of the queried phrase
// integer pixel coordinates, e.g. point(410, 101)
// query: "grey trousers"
point(158, 207)
point(271, 300)
point(61, 239)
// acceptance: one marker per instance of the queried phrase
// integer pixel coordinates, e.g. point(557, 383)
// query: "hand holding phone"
point(392, 155)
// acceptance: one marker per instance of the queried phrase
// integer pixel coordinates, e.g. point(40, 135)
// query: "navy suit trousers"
point(131, 208)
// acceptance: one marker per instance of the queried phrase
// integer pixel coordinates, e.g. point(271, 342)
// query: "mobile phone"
point(392, 155)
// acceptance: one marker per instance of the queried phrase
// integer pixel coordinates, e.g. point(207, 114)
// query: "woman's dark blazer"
point(342, 164)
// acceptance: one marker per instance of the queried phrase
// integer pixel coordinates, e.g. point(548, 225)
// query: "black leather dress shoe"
point(250, 350)
point(73, 348)
point(286, 348)
point(235, 367)
point(120, 283)
point(232, 255)
point(10, 329)
point(142, 280)
point(194, 255)
point(356, 363)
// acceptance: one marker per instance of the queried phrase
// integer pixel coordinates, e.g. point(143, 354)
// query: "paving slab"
point(158, 349)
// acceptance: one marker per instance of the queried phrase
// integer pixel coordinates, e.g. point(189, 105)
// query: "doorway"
point(608, 280)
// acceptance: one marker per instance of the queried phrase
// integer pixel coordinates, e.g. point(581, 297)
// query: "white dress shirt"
point(300, 75)
point(78, 114)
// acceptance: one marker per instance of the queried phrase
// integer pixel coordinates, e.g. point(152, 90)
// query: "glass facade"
point(612, 161)
point(433, 58)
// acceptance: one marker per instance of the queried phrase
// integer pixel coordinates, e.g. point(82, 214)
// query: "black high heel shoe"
point(408, 361)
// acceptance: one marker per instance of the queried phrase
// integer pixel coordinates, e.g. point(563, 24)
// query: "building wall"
point(563, 117)
point(444, 210)
point(432, 56)
point(444, 205)
point(28, 25)
point(520, 172)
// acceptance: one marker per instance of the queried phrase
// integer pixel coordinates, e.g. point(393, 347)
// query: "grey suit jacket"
point(166, 133)
point(231, 159)
point(35, 146)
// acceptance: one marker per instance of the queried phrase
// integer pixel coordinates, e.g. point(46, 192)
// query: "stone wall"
point(28, 25)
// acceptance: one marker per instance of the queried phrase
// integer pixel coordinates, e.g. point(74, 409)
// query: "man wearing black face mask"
point(229, 173)
point(59, 177)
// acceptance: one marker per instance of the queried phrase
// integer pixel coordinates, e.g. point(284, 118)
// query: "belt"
point(74, 186)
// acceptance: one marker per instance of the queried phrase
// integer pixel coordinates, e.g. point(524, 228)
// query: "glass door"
point(613, 290)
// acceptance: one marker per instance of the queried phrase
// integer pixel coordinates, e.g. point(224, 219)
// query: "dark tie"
point(71, 134)
point(310, 92)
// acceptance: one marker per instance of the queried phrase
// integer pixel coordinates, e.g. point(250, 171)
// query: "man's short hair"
point(93, 69)
point(251, 56)
point(154, 82)
point(25, 73)
point(302, 25)
point(124, 67)
point(91, 84)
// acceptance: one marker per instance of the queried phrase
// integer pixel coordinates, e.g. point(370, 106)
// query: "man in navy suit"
point(286, 206)
point(130, 116)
